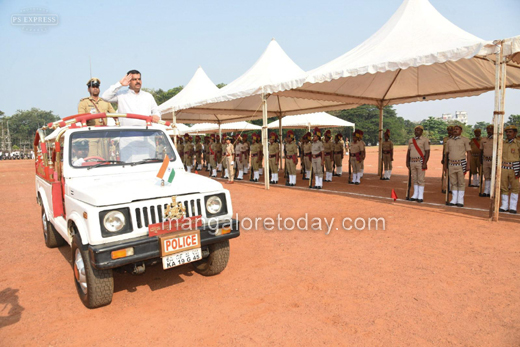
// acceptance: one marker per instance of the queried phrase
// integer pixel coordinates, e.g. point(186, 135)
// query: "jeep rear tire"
point(217, 260)
point(95, 287)
point(51, 236)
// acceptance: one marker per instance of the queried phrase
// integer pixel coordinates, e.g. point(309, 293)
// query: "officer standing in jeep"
point(94, 104)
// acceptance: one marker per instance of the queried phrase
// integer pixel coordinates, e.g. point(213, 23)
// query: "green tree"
point(514, 119)
point(434, 129)
point(481, 125)
point(23, 124)
point(161, 96)
point(221, 85)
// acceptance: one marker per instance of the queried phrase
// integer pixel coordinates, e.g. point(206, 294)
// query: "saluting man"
point(339, 152)
point(417, 158)
point(318, 156)
point(458, 150)
point(274, 157)
point(356, 156)
point(510, 170)
point(94, 104)
point(486, 159)
point(328, 148)
point(291, 152)
point(474, 167)
point(388, 155)
point(307, 156)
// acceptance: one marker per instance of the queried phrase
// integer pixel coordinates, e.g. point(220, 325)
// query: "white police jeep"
point(120, 197)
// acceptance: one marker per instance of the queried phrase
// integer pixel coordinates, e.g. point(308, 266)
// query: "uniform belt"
point(290, 156)
point(237, 155)
point(254, 155)
point(415, 160)
point(327, 153)
point(272, 156)
point(507, 165)
point(488, 158)
point(338, 152)
point(387, 152)
point(456, 162)
point(316, 156)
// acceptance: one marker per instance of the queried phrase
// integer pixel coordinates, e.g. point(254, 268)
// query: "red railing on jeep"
point(84, 117)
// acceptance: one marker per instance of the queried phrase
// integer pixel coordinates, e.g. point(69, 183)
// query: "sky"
point(168, 40)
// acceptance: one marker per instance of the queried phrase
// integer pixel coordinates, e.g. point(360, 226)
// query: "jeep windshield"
point(99, 148)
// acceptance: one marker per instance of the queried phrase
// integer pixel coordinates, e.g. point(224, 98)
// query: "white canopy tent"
point(180, 129)
point(226, 127)
point(311, 120)
point(418, 55)
point(250, 96)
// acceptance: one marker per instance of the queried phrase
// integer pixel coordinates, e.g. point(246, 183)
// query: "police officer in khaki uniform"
point(486, 159)
point(223, 162)
point(291, 158)
point(388, 155)
point(328, 148)
point(449, 130)
point(218, 145)
point(180, 148)
point(94, 104)
point(256, 156)
point(246, 147)
point(239, 157)
point(417, 158)
point(212, 156)
point(474, 167)
point(198, 152)
point(206, 153)
point(318, 156)
point(339, 153)
point(230, 158)
point(458, 151)
point(510, 170)
point(274, 157)
point(307, 156)
point(356, 156)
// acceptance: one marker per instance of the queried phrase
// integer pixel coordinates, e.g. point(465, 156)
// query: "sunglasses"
point(94, 85)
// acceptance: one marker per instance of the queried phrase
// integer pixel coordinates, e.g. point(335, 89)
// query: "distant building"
point(460, 116)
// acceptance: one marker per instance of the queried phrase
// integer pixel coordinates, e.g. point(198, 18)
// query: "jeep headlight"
point(214, 205)
point(114, 221)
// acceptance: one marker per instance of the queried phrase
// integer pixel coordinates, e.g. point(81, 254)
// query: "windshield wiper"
point(104, 162)
point(149, 160)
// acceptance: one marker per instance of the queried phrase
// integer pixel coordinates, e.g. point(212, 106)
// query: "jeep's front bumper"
point(146, 248)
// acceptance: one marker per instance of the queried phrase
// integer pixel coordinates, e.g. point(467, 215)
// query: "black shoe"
point(275, 182)
point(251, 180)
point(488, 195)
point(305, 179)
point(481, 195)
point(357, 183)
point(256, 180)
point(288, 184)
point(460, 205)
point(501, 210)
point(292, 184)
point(413, 199)
point(450, 204)
point(319, 187)
point(443, 191)
point(512, 211)
point(350, 182)
point(420, 200)
point(239, 179)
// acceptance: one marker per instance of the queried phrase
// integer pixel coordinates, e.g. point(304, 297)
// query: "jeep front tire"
point(95, 287)
point(217, 260)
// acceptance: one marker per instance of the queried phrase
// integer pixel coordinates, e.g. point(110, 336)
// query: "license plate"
point(181, 258)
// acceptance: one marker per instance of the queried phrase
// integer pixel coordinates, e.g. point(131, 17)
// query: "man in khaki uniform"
point(474, 167)
point(328, 148)
point(256, 157)
point(198, 152)
point(388, 155)
point(458, 151)
point(206, 153)
point(417, 158)
point(230, 159)
point(339, 153)
point(246, 147)
point(212, 156)
point(307, 156)
point(218, 145)
point(510, 170)
point(449, 130)
point(291, 158)
point(274, 157)
point(180, 149)
point(239, 157)
point(223, 160)
point(318, 156)
point(94, 104)
point(188, 152)
point(356, 156)
point(486, 159)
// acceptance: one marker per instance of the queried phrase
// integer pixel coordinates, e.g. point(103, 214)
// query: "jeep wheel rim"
point(45, 226)
point(80, 272)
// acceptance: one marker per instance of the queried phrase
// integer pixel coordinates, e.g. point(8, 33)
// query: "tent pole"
point(281, 140)
point(175, 129)
point(500, 142)
point(264, 139)
point(380, 138)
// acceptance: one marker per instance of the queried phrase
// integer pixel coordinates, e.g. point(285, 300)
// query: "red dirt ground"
point(435, 276)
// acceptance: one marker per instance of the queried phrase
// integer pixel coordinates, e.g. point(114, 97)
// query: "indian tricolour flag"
point(164, 168)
